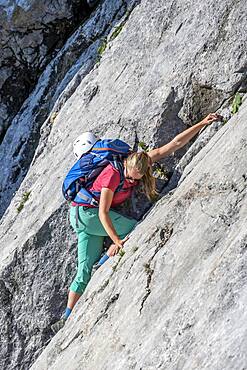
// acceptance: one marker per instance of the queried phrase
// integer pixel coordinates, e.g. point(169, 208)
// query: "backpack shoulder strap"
point(118, 164)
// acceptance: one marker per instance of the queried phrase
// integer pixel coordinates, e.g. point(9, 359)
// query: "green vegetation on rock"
point(25, 197)
point(237, 101)
point(143, 146)
point(116, 32)
point(102, 47)
point(121, 252)
point(159, 171)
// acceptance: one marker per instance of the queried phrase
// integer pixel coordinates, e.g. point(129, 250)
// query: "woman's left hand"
point(114, 248)
point(212, 117)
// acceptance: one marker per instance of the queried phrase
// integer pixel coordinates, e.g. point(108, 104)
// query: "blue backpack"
point(82, 175)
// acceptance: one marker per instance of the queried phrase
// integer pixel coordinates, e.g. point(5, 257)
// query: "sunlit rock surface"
point(176, 299)
point(32, 32)
point(56, 84)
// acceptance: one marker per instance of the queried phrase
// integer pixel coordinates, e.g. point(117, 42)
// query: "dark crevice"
point(130, 268)
point(199, 100)
point(149, 273)
point(77, 335)
point(103, 313)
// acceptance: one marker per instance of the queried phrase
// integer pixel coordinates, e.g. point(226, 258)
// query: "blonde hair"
point(143, 164)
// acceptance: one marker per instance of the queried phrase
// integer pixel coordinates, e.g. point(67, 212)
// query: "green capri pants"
point(91, 233)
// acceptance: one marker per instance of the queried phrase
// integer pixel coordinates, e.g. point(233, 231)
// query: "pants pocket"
point(75, 220)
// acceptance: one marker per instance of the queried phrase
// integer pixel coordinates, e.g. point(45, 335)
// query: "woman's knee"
point(77, 287)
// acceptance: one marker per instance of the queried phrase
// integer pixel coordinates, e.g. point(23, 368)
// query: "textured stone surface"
point(32, 32)
point(145, 80)
point(57, 83)
point(176, 300)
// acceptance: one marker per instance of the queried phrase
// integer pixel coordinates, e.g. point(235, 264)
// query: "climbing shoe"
point(58, 325)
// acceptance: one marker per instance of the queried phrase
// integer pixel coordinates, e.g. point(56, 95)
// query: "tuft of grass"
point(237, 101)
point(147, 268)
point(143, 146)
point(116, 32)
point(102, 47)
point(25, 197)
point(121, 252)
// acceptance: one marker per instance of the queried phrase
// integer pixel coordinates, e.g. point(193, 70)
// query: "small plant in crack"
point(25, 197)
point(102, 47)
point(237, 101)
point(147, 268)
point(134, 249)
point(159, 171)
point(116, 31)
point(121, 252)
point(143, 146)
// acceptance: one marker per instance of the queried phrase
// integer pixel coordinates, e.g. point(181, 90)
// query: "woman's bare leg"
point(72, 299)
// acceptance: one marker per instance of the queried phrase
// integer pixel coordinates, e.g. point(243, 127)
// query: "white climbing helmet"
point(84, 143)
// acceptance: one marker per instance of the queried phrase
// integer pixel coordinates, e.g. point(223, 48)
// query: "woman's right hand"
point(211, 117)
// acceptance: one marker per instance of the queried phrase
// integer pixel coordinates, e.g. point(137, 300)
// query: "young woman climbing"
point(94, 223)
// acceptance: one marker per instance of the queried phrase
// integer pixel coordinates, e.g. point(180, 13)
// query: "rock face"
point(56, 84)
point(176, 299)
point(32, 32)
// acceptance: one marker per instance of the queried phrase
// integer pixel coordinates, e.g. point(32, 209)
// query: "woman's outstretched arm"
point(183, 138)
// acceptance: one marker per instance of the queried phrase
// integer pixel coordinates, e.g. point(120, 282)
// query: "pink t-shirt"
point(110, 178)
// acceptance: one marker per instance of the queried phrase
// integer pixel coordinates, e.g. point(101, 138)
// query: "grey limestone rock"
point(32, 32)
point(55, 86)
point(176, 299)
